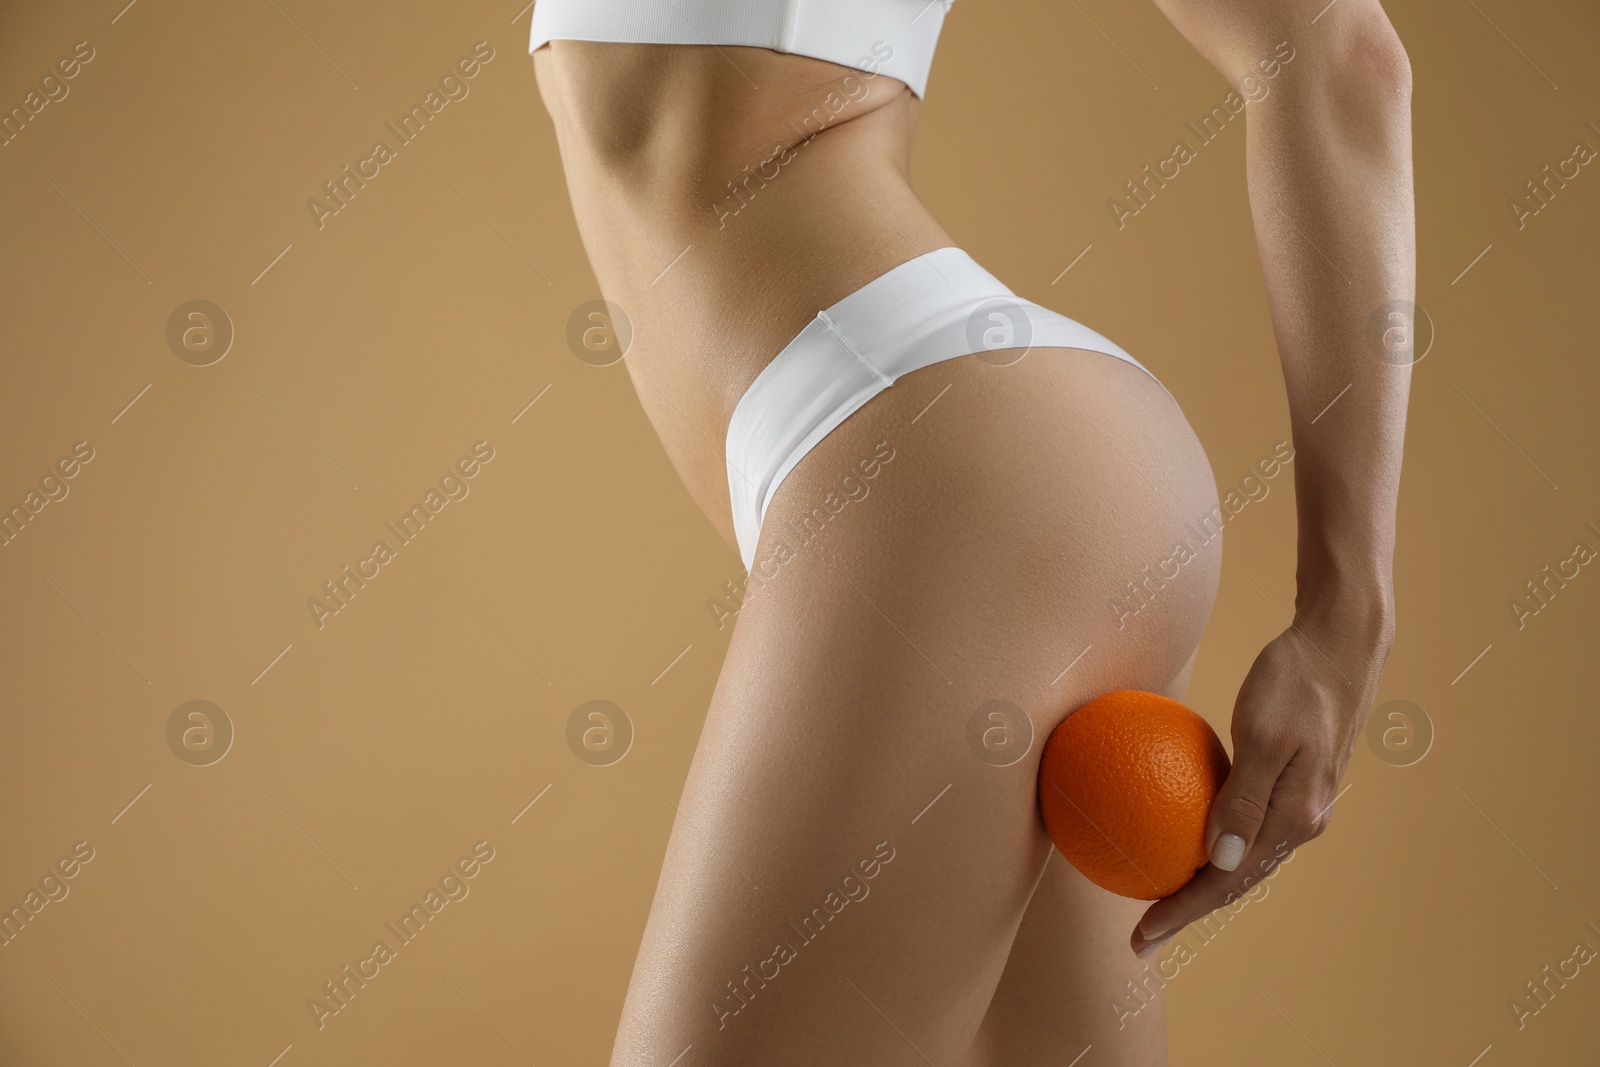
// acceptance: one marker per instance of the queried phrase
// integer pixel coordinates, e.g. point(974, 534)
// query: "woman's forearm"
point(1328, 159)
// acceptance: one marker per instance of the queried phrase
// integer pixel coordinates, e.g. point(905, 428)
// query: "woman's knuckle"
point(1245, 810)
point(1309, 820)
point(1257, 736)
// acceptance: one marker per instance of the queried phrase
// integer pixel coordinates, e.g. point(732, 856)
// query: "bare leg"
point(846, 875)
point(1070, 982)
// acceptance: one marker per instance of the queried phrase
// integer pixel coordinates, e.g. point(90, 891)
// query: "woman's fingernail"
point(1227, 851)
point(1158, 934)
point(1152, 947)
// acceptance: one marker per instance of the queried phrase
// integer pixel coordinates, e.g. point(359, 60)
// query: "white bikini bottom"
point(936, 307)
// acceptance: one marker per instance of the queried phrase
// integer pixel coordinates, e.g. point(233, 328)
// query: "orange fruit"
point(1125, 785)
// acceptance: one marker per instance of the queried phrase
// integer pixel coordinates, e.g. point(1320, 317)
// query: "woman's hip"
point(1021, 511)
point(931, 308)
point(933, 593)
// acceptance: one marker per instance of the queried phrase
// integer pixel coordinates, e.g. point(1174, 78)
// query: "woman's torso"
point(725, 194)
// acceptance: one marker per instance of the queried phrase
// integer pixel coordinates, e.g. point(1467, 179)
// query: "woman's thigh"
point(1070, 983)
point(944, 578)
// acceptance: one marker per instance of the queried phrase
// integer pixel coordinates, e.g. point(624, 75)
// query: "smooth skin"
point(846, 879)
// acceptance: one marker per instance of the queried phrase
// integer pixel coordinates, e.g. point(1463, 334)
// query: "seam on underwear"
point(853, 350)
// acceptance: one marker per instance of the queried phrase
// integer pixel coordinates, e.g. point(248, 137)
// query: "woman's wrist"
point(1344, 580)
point(1352, 603)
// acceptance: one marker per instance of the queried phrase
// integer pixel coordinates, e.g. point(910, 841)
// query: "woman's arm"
point(1328, 160)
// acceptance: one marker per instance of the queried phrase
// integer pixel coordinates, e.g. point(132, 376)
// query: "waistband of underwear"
point(935, 307)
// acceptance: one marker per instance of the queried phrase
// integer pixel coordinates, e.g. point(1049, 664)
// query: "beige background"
point(373, 753)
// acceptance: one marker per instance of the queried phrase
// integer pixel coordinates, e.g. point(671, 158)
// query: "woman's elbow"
point(1366, 58)
point(1354, 87)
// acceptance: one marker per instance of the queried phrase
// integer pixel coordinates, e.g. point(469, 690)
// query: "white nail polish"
point(1162, 934)
point(1227, 851)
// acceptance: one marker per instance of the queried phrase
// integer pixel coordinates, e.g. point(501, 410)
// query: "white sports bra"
point(893, 37)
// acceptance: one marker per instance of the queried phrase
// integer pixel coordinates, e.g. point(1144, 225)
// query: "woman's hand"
point(1297, 719)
